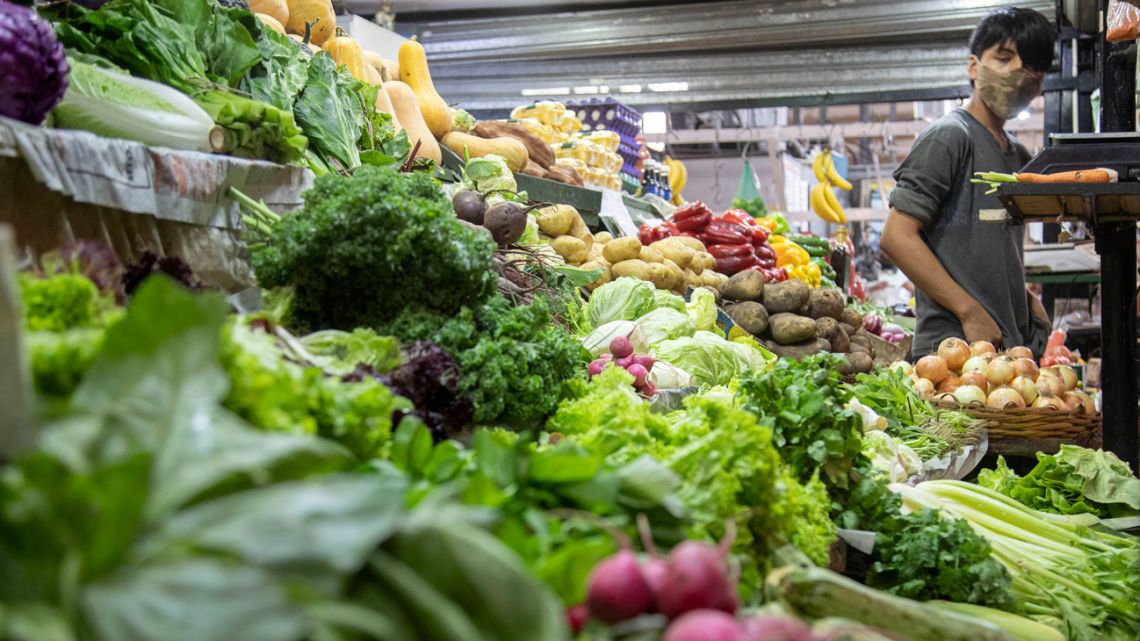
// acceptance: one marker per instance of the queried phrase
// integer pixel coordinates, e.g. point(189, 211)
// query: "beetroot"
point(705, 625)
point(576, 617)
point(616, 590)
point(775, 628)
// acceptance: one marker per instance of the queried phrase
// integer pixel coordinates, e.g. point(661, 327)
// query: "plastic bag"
point(1123, 21)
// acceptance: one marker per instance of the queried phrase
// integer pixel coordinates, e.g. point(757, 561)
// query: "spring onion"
point(116, 105)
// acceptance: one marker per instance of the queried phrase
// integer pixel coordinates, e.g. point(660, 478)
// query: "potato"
point(826, 302)
point(556, 220)
point(633, 268)
point(573, 250)
point(835, 333)
point(789, 329)
point(692, 279)
point(661, 276)
point(620, 249)
point(678, 275)
point(579, 230)
point(852, 319)
point(688, 241)
point(855, 347)
point(860, 341)
point(855, 363)
point(709, 279)
point(749, 316)
point(603, 237)
point(675, 252)
point(745, 285)
point(788, 296)
point(799, 350)
point(715, 293)
point(710, 260)
point(602, 280)
point(651, 255)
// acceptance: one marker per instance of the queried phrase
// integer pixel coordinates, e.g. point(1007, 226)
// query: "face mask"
point(1007, 93)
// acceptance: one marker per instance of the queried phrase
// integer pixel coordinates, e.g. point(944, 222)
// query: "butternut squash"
point(407, 110)
point(511, 150)
point(347, 51)
point(275, 8)
point(271, 22)
point(300, 39)
point(384, 103)
point(414, 73)
point(318, 14)
point(387, 68)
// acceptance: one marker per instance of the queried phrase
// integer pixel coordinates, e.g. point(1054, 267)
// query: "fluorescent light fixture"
point(589, 89)
point(1023, 115)
point(668, 86)
point(654, 122)
point(630, 88)
point(603, 89)
point(552, 91)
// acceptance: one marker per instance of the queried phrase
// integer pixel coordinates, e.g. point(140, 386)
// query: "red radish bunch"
point(638, 365)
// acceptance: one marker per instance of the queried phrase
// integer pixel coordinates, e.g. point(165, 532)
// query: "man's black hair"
point(1032, 32)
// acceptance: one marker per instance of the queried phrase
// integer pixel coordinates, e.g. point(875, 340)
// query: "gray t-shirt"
point(984, 258)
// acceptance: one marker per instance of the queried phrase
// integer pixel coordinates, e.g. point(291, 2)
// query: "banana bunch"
point(678, 176)
point(823, 200)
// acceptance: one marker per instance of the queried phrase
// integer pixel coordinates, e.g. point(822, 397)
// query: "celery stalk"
point(1017, 627)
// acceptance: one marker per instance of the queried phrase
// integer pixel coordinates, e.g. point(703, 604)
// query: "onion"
point(1051, 402)
point(924, 387)
point(1019, 352)
point(1004, 398)
point(976, 364)
point(970, 395)
point(1080, 403)
point(1025, 387)
point(949, 384)
point(999, 372)
point(954, 351)
point(982, 348)
point(977, 379)
point(903, 366)
point(1026, 367)
point(1050, 385)
point(932, 368)
point(1068, 376)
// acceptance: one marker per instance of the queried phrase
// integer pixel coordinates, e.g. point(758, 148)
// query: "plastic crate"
point(610, 114)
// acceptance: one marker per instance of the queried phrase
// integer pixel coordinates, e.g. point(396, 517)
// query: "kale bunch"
point(364, 248)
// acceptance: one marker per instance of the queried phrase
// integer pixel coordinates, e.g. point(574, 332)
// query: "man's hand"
point(1036, 308)
point(977, 325)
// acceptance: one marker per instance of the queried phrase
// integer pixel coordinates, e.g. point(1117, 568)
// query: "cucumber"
point(818, 593)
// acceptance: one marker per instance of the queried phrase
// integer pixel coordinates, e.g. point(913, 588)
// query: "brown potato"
point(661, 276)
point(789, 329)
point(675, 252)
point(749, 316)
point(799, 350)
point(687, 241)
point(571, 249)
point(788, 296)
point(827, 302)
point(603, 237)
point(556, 220)
point(651, 255)
point(852, 319)
point(633, 268)
point(745, 285)
point(620, 249)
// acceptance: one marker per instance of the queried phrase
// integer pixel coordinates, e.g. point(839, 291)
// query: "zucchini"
point(816, 593)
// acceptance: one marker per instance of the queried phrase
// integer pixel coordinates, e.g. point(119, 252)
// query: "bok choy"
point(117, 105)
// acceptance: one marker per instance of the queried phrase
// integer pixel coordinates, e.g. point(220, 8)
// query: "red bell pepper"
point(733, 264)
point(646, 234)
point(765, 254)
point(725, 233)
point(759, 235)
point(740, 217)
point(689, 210)
point(695, 223)
point(724, 251)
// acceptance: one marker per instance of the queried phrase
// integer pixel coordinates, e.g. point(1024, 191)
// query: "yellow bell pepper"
point(808, 273)
point(767, 223)
point(789, 254)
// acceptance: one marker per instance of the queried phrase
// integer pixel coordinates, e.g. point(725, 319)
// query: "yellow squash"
point(318, 14)
point(278, 9)
point(347, 51)
point(407, 110)
point(414, 72)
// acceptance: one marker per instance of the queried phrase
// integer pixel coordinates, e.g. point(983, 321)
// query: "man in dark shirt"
point(969, 272)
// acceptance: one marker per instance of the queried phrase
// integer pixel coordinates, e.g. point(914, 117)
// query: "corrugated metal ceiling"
point(729, 53)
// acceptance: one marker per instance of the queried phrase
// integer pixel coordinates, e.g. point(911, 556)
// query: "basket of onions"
point(1008, 391)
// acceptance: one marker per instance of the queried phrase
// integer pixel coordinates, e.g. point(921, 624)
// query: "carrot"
point(1080, 176)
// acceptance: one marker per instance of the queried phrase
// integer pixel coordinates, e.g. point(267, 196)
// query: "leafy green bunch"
point(513, 358)
point(364, 248)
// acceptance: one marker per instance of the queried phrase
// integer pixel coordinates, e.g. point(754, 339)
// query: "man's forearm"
point(923, 268)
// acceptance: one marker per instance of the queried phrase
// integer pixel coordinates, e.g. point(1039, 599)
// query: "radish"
point(621, 347)
point(606, 357)
point(645, 361)
point(775, 628)
point(616, 590)
point(705, 625)
point(654, 568)
point(648, 390)
point(625, 362)
point(576, 617)
point(696, 578)
point(596, 367)
point(640, 374)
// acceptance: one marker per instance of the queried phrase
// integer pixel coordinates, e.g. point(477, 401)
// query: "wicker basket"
point(1033, 422)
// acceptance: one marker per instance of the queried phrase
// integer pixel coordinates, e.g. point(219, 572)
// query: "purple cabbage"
point(33, 65)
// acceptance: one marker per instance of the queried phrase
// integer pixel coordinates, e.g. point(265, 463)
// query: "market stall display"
point(444, 392)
